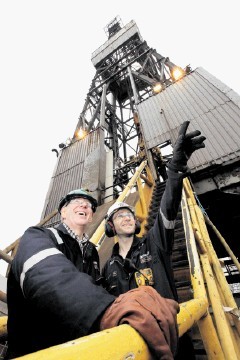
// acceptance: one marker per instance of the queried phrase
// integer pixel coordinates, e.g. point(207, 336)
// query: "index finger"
point(183, 128)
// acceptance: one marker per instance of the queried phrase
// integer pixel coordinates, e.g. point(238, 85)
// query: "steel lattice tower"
point(127, 69)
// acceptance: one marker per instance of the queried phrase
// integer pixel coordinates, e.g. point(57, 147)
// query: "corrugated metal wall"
point(208, 104)
point(81, 164)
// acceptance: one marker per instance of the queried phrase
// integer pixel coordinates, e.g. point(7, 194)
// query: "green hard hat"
point(78, 193)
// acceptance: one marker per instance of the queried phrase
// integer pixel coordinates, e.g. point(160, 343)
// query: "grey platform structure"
point(124, 119)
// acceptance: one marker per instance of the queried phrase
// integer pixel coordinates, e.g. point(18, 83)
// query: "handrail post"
point(206, 327)
point(211, 266)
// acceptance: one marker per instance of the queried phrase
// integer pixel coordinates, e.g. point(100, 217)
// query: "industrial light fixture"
point(177, 73)
point(80, 134)
point(157, 88)
point(68, 141)
point(188, 69)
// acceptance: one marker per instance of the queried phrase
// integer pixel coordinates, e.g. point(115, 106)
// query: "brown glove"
point(153, 316)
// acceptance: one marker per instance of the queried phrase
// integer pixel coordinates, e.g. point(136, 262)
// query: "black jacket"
point(153, 251)
point(52, 293)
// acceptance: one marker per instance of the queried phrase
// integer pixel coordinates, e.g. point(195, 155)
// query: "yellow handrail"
point(220, 342)
point(105, 345)
point(215, 279)
point(206, 327)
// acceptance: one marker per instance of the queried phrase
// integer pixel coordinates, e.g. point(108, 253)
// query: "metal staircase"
point(192, 341)
point(180, 259)
point(126, 71)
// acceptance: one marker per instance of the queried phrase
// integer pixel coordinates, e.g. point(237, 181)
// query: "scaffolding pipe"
point(206, 327)
point(228, 296)
point(212, 256)
point(6, 257)
point(105, 344)
point(145, 195)
point(3, 296)
point(219, 315)
point(190, 313)
point(3, 326)
point(15, 243)
point(230, 323)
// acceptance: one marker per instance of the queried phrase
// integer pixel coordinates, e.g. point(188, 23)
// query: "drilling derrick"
point(131, 116)
point(133, 110)
point(127, 70)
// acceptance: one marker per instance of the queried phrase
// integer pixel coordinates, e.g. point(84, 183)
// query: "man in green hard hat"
point(53, 270)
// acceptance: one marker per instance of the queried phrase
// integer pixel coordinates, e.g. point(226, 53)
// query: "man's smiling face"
point(78, 212)
point(124, 222)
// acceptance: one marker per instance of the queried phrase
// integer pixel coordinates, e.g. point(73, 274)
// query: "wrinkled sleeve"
point(163, 229)
point(50, 282)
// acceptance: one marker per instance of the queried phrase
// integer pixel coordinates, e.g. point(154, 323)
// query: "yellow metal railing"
point(205, 324)
point(12, 248)
point(145, 195)
point(220, 332)
point(118, 343)
point(218, 290)
point(105, 344)
point(132, 346)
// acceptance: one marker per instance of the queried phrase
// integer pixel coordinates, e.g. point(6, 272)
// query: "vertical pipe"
point(134, 89)
point(230, 323)
point(109, 177)
point(230, 301)
point(205, 324)
point(219, 315)
point(103, 104)
point(123, 136)
point(80, 119)
point(201, 225)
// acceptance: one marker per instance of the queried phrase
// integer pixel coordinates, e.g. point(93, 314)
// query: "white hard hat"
point(117, 206)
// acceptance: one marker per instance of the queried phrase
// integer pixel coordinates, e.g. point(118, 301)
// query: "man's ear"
point(137, 227)
point(63, 212)
point(109, 229)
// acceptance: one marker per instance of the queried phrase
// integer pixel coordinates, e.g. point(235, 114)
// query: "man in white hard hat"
point(147, 261)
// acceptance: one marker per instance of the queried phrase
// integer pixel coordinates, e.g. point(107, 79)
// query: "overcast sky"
point(46, 72)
